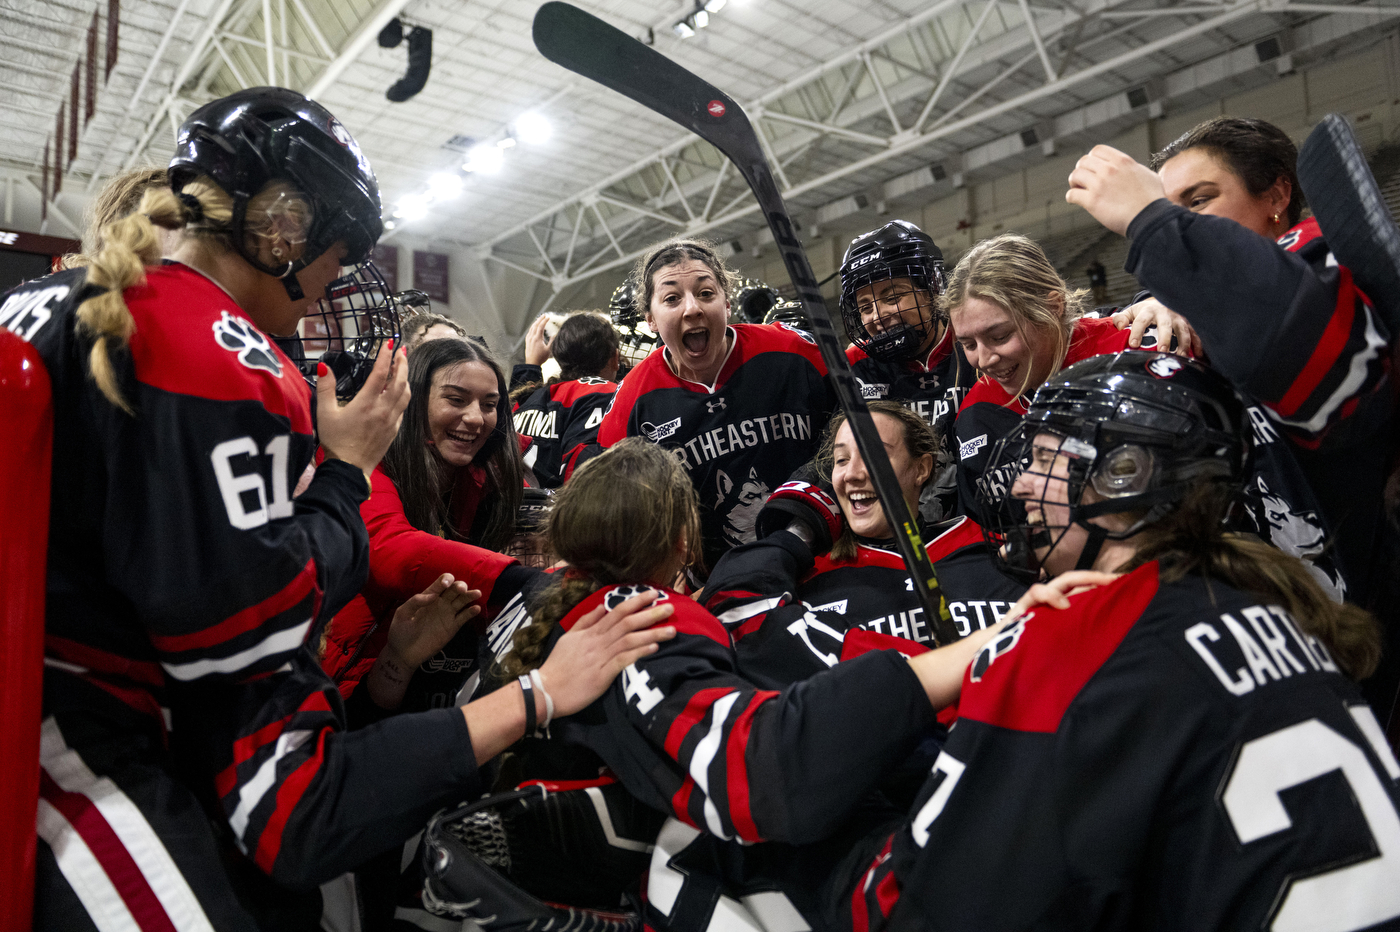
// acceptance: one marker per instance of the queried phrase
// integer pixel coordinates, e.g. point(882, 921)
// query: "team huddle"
point(346, 627)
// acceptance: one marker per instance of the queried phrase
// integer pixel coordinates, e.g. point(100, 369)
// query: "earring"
point(277, 250)
point(1275, 218)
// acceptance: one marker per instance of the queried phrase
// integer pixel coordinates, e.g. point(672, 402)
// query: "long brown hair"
point(1190, 540)
point(1013, 272)
point(919, 440)
point(618, 520)
point(126, 246)
point(669, 253)
point(413, 466)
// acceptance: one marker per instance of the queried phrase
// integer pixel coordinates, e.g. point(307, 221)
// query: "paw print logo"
point(998, 646)
point(619, 594)
point(254, 350)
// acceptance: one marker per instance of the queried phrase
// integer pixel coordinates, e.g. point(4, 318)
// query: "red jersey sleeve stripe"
point(289, 794)
point(104, 662)
point(693, 714)
point(248, 745)
point(737, 769)
point(680, 803)
point(1329, 348)
point(106, 846)
point(302, 585)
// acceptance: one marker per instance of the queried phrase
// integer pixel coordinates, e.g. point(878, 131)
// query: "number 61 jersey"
point(1157, 756)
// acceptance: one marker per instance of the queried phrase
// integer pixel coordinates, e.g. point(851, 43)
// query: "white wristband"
point(537, 678)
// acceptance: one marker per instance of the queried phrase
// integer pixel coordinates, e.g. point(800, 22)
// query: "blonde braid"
point(127, 246)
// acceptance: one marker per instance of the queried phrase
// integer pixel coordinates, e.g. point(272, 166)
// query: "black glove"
point(808, 504)
point(586, 845)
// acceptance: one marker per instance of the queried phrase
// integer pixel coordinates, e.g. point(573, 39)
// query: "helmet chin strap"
point(289, 282)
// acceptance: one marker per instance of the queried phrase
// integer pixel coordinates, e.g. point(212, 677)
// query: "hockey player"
point(742, 405)
point(1019, 323)
point(184, 580)
point(563, 417)
point(901, 346)
point(822, 583)
point(1217, 236)
point(1181, 748)
point(686, 733)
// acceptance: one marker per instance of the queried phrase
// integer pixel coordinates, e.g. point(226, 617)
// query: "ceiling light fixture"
point(683, 29)
point(484, 159)
point(506, 142)
point(533, 129)
point(714, 6)
point(702, 19)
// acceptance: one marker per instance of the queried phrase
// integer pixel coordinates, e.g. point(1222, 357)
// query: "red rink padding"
point(26, 410)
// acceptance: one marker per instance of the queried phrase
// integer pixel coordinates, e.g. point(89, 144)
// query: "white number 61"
point(232, 487)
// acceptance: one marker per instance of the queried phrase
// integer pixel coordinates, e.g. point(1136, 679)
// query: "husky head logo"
point(619, 594)
point(1299, 533)
point(1164, 367)
point(254, 350)
point(997, 646)
point(740, 516)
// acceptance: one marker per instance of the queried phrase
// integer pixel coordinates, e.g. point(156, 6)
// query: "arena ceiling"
point(856, 100)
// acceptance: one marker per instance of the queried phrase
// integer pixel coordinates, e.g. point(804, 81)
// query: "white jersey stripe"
point(750, 609)
point(67, 769)
point(704, 755)
point(1356, 376)
point(282, 641)
point(255, 789)
point(84, 874)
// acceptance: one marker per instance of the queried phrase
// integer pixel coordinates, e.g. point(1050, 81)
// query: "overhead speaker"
point(420, 62)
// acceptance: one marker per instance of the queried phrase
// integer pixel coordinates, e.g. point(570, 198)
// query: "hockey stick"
point(586, 45)
point(1349, 208)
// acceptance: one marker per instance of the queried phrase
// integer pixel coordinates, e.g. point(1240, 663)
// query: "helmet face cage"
point(1030, 496)
point(635, 339)
point(346, 327)
point(530, 545)
point(902, 319)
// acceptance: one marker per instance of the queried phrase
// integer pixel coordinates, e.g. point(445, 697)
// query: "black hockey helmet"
point(791, 313)
point(1140, 429)
point(896, 250)
point(262, 134)
point(752, 301)
point(635, 339)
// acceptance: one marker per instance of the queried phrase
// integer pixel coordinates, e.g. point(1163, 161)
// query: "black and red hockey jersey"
point(184, 581)
point(563, 418)
point(792, 616)
point(989, 412)
point(1157, 756)
point(932, 388)
point(1290, 328)
point(740, 438)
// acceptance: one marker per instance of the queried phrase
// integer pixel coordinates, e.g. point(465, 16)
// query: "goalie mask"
point(346, 328)
point(1121, 434)
point(890, 282)
point(635, 339)
point(263, 134)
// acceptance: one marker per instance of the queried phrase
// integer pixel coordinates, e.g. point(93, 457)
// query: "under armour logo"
point(716, 405)
point(925, 381)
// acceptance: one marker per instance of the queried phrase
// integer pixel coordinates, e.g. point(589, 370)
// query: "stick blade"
point(586, 45)
point(1349, 208)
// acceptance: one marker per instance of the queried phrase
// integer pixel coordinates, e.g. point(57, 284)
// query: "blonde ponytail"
point(126, 247)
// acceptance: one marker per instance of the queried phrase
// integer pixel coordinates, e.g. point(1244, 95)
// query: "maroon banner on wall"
point(90, 72)
point(386, 259)
point(430, 274)
point(73, 116)
point(113, 17)
point(58, 153)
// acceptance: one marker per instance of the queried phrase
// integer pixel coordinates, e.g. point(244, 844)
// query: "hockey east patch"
point(970, 448)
